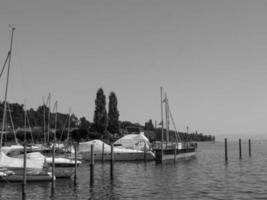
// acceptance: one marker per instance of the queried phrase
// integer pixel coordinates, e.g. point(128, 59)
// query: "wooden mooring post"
point(53, 171)
point(240, 149)
point(145, 151)
point(249, 147)
point(103, 151)
point(225, 150)
point(111, 162)
point(92, 166)
point(174, 149)
point(24, 172)
point(75, 170)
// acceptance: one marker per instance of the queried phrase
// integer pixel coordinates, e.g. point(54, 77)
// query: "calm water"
point(204, 177)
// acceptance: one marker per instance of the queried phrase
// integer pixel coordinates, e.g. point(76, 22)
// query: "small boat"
point(11, 169)
point(34, 166)
point(102, 152)
point(64, 168)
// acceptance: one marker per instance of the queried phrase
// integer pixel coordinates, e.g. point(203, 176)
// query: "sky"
point(209, 56)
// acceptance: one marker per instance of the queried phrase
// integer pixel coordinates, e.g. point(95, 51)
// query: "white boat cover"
point(133, 141)
point(98, 146)
point(9, 149)
point(33, 165)
point(61, 161)
point(37, 155)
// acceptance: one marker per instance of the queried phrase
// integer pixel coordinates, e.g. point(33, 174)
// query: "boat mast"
point(48, 121)
point(69, 125)
point(28, 121)
point(12, 124)
point(167, 118)
point(162, 122)
point(8, 69)
point(44, 106)
point(55, 113)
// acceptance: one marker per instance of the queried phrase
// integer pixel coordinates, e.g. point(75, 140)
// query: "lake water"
point(206, 176)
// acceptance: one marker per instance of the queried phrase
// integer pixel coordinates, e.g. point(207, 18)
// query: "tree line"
point(106, 124)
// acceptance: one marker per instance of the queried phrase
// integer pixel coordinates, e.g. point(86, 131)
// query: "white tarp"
point(10, 149)
point(49, 160)
point(61, 161)
point(133, 141)
point(33, 165)
point(98, 146)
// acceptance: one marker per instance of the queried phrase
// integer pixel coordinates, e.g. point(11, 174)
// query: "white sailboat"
point(12, 168)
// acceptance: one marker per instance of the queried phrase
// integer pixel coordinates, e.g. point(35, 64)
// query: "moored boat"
point(171, 151)
point(64, 168)
point(133, 141)
point(102, 151)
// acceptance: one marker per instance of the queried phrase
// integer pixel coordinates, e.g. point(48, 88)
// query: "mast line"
point(8, 69)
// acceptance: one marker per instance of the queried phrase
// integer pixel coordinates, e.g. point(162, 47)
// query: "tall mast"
point(48, 121)
point(55, 113)
point(12, 124)
point(69, 125)
point(167, 118)
point(8, 69)
point(44, 106)
point(162, 122)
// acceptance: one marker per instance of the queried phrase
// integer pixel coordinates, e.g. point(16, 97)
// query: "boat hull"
point(64, 172)
point(29, 178)
point(171, 155)
point(64, 168)
point(125, 156)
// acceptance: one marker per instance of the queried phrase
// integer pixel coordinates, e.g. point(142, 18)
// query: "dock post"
point(225, 150)
point(75, 170)
point(92, 166)
point(103, 151)
point(53, 171)
point(174, 149)
point(24, 172)
point(249, 147)
point(240, 149)
point(111, 162)
point(144, 152)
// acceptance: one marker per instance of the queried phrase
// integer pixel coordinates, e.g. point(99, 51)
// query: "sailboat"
point(171, 150)
point(11, 169)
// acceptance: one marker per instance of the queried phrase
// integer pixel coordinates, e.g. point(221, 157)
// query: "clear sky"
point(210, 56)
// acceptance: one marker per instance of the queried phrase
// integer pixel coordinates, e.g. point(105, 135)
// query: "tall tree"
point(100, 117)
point(113, 114)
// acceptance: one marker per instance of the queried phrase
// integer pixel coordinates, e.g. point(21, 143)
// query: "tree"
point(84, 124)
point(100, 117)
point(149, 125)
point(113, 114)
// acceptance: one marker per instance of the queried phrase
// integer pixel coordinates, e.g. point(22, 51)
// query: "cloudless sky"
point(210, 56)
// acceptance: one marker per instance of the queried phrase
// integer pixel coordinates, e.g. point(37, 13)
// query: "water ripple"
point(206, 176)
